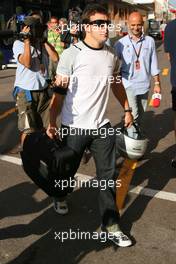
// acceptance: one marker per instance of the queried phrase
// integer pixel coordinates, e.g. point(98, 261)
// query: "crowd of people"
point(81, 69)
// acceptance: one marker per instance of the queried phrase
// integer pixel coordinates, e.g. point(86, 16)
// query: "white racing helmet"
point(131, 143)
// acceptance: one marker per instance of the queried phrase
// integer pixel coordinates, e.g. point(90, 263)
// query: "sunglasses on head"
point(100, 22)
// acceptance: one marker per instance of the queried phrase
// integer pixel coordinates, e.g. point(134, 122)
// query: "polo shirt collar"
point(142, 37)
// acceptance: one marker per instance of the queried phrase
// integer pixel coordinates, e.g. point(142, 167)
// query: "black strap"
point(60, 90)
point(139, 52)
point(124, 129)
point(39, 56)
point(77, 47)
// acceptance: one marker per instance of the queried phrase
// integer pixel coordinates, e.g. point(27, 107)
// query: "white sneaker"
point(120, 239)
point(117, 236)
point(60, 207)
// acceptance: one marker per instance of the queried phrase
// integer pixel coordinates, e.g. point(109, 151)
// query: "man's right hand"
point(25, 58)
point(52, 131)
point(26, 29)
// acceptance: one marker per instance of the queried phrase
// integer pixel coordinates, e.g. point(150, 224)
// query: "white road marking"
point(133, 189)
point(11, 159)
point(153, 193)
point(8, 112)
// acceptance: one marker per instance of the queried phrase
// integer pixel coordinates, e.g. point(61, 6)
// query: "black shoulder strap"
point(77, 47)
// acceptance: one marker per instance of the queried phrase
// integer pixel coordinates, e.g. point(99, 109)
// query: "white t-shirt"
point(90, 71)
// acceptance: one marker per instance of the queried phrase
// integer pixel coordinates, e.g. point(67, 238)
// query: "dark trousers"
point(102, 147)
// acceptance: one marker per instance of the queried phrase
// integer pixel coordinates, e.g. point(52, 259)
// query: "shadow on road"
point(9, 135)
point(158, 172)
point(83, 217)
point(19, 200)
point(155, 170)
point(157, 127)
point(158, 43)
point(84, 214)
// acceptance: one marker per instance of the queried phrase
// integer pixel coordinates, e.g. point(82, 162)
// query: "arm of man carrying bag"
point(60, 91)
point(120, 93)
point(64, 71)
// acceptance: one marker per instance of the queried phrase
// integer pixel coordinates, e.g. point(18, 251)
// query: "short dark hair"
point(91, 10)
point(54, 17)
point(38, 15)
point(30, 20)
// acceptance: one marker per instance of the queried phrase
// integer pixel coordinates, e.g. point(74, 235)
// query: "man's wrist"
point(27, 40)
point(128, 110)
point(59, 90)
point(44, 41)
point(52, 125)
point(157, 83)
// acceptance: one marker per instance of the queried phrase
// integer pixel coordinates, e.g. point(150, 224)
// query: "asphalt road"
point(29, 225)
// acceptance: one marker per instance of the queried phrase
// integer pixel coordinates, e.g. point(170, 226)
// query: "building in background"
point(171, 7)
point(149, 5)
point(159, 9)
point(119, 9)
point(47, 7)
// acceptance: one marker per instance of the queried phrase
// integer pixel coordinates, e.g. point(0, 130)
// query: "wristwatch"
point(128, 110)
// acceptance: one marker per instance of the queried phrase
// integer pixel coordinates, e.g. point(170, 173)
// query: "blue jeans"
point(102, 147)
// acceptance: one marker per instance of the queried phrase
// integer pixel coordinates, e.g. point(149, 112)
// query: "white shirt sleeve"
point(18, 48)
point(154, 61)
point(66, 60)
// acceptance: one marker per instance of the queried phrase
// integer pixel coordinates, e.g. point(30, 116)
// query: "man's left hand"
point(157, 88)
point(128, 119)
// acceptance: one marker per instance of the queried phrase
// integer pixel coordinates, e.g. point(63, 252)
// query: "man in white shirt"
point(84, 73)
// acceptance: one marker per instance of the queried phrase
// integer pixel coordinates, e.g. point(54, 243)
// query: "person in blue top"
point(138, 57)
point(31, 87)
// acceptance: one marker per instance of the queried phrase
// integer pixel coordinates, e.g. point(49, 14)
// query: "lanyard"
point(55, 38)
point(137, 53)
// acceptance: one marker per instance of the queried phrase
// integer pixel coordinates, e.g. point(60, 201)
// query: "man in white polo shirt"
point(84, 73)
